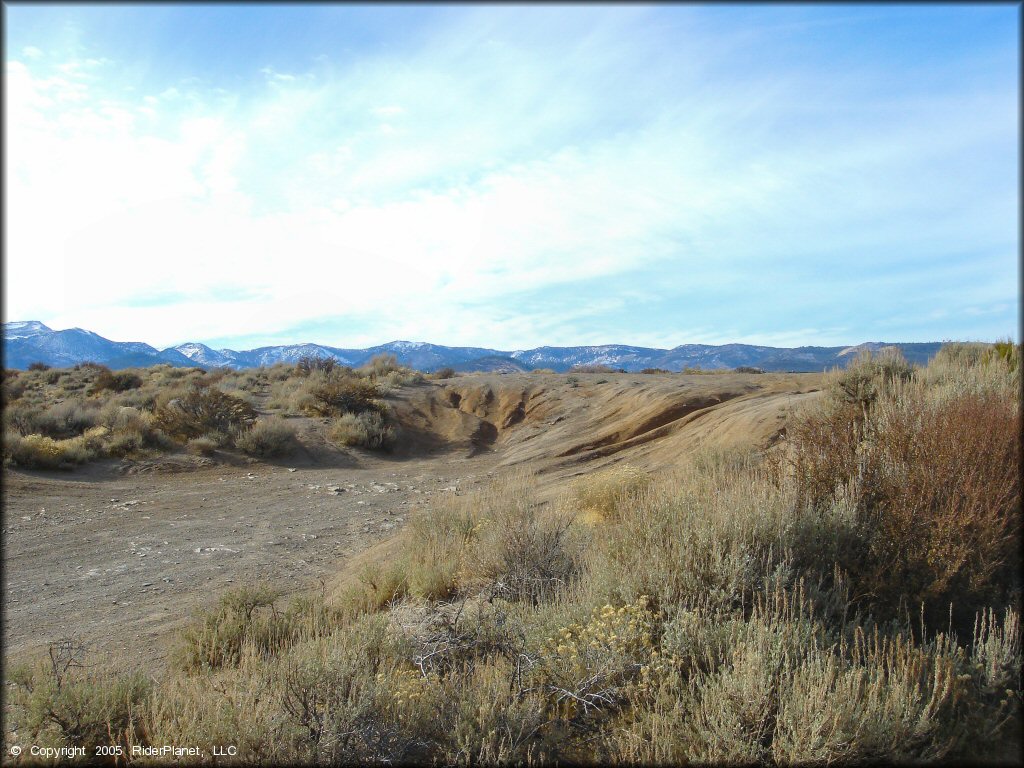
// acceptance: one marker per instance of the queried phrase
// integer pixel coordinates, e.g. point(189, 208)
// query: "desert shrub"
point(433, 543)
point(368, 429)
point(13, 387)
point(121, 381)
point(39, 452)
point(597, 368)
point(130, 431)
point(1007, 353)
point(377, 586)
point(655, 370)
point(60, 699)
point(934, 484)
point(307, 364)
point(336, 395)
point(486, 719)
point(22, 417)
point(543, 370)
point(66, 419)
point(353, 700)
point(202, 446)
point(218, 707)
point(381, 365)
point(280, 372)
point(38, 366)
point(782, 687)
point(590, 668)
point(497, 540)
point(246, 622)
point(268, 438)
point(600, 495)
point(867, 376)
point(400, 378)
point(522, 551)
point(133, 442)
point(203, 411)
point(960, 354)
point(748, 369)
point(445, 373)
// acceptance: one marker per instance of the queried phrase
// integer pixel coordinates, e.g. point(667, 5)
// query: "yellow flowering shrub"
point(600, 664)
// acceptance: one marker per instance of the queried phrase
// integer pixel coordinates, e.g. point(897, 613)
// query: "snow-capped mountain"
point(29, 341)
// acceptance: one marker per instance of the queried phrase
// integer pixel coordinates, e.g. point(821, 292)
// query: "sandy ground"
point(119, 555)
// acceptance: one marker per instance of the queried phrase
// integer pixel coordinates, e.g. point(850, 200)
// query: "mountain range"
point(30, 341)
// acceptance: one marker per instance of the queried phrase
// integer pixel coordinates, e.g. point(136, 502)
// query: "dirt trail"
point(120, 557)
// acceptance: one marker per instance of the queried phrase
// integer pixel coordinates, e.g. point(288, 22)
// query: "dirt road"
point(119, 560)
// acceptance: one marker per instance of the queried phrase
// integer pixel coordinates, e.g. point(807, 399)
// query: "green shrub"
point(445, 373)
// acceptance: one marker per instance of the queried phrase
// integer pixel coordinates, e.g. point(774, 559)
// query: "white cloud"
point(420, 196)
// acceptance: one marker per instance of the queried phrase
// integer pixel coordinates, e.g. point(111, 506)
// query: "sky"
point(510, 176)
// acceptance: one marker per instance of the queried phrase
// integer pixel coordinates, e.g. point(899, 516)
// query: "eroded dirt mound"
point(559, 422)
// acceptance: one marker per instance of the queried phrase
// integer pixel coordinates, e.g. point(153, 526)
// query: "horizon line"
point(511, 350)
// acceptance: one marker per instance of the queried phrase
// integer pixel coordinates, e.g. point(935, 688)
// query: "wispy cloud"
point(472, 184)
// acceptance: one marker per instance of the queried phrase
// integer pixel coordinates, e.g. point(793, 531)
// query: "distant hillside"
point(26, 342)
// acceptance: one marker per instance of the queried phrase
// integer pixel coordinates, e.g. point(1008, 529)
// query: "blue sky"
point(513, 176)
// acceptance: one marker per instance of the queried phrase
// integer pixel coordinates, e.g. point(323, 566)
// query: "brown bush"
point(935, 487)
point(334, 396)
point(307, 364)
point(121, 381)
point(201, 411)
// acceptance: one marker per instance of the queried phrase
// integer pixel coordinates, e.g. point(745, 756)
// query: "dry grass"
point(601, 495)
